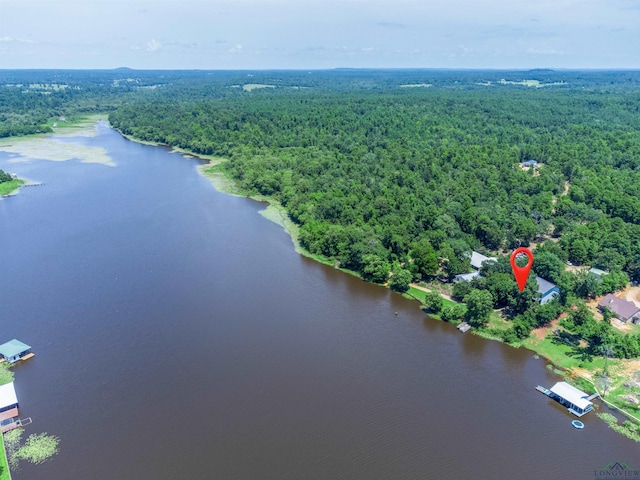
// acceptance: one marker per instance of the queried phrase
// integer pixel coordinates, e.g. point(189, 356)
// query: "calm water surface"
point(179, 336)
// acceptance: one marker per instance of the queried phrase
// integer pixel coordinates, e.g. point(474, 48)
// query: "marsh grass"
point(628, 428)
point(38, 447)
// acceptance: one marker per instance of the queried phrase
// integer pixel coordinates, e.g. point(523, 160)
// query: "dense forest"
point(399, 175)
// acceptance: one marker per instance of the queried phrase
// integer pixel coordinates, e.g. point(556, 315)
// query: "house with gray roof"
point(477, 259)
point(466, 277)
point(547, 290)
point(624, 310)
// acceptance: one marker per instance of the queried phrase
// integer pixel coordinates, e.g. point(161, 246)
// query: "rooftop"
point(597, 272)
point(467, 277)
point(477, 259)
point(571, 394)
point(620, 307)
point(544, 285)
point(7, 395)
point(13, 347)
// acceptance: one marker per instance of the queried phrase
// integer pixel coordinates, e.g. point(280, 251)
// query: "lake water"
point(179, 336)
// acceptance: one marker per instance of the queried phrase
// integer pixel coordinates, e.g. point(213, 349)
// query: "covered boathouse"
point(575, 400)
point(8, 407)
point(15, 350)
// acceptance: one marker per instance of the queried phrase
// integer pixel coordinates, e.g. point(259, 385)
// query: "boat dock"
point(463, 327)
point(541, 389)
point(576, 401)
point(10, 425)
point(14, 350)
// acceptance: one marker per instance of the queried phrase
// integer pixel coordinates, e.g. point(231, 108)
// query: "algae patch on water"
point(53, 149)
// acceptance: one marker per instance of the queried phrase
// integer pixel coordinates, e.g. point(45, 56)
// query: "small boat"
point(578, 424)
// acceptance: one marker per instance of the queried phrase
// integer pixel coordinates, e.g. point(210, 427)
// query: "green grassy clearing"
point(563, 355)
point(76, 122)
point(8, 187)
point(420, 295)
point(498, 323)
point(4, 466)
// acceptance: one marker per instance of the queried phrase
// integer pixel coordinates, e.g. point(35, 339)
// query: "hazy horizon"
point(301, 69)
point(320, 35)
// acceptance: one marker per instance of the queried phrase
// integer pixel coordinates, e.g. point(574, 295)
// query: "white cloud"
point(545, 51)
point(7, 39)
point(153, 45)
point(236, 49)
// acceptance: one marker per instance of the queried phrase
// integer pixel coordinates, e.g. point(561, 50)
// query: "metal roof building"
point(13, 350)
point(477, 259)
point(8, 406)
point(466, 277)
point(575, 400)
point(8, 397)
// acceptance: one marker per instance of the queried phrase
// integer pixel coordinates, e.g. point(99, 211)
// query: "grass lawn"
point(419, 294)
point(561, 354)
point(4, 467)
point(76, 122)
point(7, 187)
point(497, 322)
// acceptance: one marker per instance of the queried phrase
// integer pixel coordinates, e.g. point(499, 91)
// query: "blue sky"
point(259, 34)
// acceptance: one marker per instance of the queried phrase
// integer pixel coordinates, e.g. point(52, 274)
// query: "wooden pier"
point(541, 389)
point(19, 422)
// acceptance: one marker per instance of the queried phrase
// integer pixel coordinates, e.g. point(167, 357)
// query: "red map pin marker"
point(521, 273)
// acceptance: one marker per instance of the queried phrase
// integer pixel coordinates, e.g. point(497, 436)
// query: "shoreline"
point(276, 213)
point(54, 146)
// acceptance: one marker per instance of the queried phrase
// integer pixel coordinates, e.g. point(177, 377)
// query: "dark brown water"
point(179, 336)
